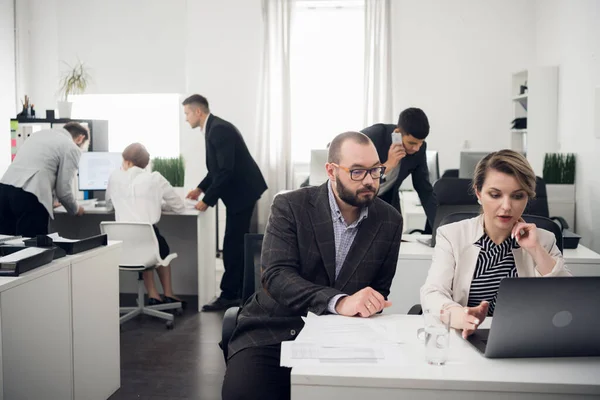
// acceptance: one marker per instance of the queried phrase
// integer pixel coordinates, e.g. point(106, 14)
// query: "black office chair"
point(452, 195)
point(251, 283)
point(540, 222)
point(450, 173)
point(539, 204)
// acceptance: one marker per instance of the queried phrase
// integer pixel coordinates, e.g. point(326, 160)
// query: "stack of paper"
point(21, 254)
point(344, 340)
point(57, 238)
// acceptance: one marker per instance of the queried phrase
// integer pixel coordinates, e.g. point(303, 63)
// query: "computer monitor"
point(468, 162)
point(433, 165)
point(318, 174)
point(95, 168)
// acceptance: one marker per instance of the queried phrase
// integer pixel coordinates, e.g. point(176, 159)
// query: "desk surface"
point(466, 369)
point(91, 209)
point(411, 249)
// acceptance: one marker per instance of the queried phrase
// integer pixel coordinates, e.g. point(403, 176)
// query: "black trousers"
point(255, 374)
point(21, 213)
point(237, 225)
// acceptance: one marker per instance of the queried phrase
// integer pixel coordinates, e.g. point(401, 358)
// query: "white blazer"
point(455, 257)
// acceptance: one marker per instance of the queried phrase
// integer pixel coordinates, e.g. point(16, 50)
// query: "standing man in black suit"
point(327, 249)
point(402, 149)
point(234, 177)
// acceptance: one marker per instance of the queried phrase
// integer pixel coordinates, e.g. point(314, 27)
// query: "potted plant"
point(559, 175)
point(173, 169)
point(75, 80)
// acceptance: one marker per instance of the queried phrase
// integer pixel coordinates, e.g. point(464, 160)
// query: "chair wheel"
point(179, 311)
point(169, 325)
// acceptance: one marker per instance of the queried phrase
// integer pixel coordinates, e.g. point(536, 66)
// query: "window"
point(326, 73)
point(151, 119)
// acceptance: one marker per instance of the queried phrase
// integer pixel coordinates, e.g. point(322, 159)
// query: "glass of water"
point(436, 334)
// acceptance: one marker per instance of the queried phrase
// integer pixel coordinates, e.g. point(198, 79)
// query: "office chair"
point(251, 283)
point(140, 253)
point(539, 204)
point(452, 195)
point(450, 173)
point(540, 222)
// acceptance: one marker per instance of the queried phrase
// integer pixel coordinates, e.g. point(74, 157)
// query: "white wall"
point(7, 79)
point(454, 59)
point(568, 35)
point(151, 46)
point(223, 56)
point(129, 47)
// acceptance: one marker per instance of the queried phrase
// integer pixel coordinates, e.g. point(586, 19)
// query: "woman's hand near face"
point(526, 235)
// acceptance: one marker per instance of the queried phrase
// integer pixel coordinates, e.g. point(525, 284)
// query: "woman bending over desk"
point(137, 196)
point(472, 256)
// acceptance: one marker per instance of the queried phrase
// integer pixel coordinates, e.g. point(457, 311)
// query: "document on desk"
point(21, 254)
point(342, 340)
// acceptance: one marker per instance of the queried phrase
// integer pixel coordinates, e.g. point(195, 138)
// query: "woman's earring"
point(478, 201)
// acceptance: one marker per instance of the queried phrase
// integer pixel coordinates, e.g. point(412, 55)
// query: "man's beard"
point(353, 198)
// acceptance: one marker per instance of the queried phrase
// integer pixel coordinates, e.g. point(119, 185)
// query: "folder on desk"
point(15, 260)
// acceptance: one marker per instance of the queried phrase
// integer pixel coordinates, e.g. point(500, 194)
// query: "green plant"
point(173, 169)
point(75, 80)
point(559, 168)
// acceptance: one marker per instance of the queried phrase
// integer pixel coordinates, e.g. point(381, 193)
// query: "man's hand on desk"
point(80, 211)
point(194, 194)
point(363, 303)
point(201, 206)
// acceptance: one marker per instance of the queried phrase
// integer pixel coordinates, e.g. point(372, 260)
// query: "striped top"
point(494, 263)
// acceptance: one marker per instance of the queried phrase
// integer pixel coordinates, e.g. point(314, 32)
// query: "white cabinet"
point(36, 338)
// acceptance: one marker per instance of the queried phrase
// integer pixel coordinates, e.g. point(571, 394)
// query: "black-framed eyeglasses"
point(358, 174)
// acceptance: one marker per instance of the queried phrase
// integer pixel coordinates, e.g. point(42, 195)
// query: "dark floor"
point(183, 363)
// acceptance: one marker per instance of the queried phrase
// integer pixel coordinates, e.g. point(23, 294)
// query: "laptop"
point(543, 317)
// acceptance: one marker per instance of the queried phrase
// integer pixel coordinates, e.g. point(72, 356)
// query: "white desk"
point(59, 329)
point(414, 261)
point(192, 235)
point(466, 376)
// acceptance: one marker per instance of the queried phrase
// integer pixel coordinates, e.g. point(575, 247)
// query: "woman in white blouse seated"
point(137, 196)
point(472, 256)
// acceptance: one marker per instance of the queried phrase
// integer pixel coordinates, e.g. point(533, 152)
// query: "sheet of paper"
point(57, 238)
point(189, 203)
point(311, 350)
point(338, 330)
point(21, 254)
point(7, 238)
point(15, 242)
